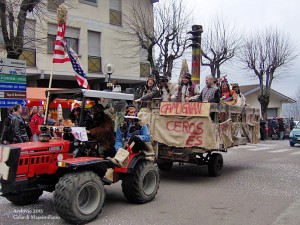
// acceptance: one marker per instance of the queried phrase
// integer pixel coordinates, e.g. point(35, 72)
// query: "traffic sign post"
point(12, 82)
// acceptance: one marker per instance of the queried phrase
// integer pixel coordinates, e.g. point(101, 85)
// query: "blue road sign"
point(12, 87)
point(5, 103)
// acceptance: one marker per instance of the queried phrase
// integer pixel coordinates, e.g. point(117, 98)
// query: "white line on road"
point(295, 153)
point(281, 150)
point(257, 149)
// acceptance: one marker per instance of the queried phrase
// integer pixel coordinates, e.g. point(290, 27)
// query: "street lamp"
point(109, 69)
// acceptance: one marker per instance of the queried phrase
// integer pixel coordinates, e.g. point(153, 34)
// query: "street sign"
point(12, 78)
point(13, 63)
point(11, 102)
point(12, 82)
point(12, 70)
point(12, 87)
point(13, 94)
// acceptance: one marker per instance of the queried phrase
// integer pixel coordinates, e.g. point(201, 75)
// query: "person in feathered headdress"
point(228, 96)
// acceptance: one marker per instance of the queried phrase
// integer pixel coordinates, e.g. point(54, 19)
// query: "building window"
point(29, 55)
point(71, 38)
point(53, 4)
point(89, 2)
point(94, 53)
point(115, 12)
point(29, 48)
point(144, 69)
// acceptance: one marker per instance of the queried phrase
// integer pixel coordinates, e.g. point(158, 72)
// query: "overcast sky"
point(252, 15)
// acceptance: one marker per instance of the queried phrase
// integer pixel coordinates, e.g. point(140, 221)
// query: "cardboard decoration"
point(184, 131)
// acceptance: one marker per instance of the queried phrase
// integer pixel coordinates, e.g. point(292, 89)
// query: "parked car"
point(295, 135)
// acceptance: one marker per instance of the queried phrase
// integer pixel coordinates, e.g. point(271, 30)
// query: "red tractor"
point(54, 165)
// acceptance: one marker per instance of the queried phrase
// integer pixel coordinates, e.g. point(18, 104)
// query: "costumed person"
point(130, 133)
point(241, 100)
point(102, 130)
point(19, 126)
point(228, 96)
point(187, 90)
point(75, 118)
point(37, 120)
point(150, 91)
point(164, 89)
point(210, 93)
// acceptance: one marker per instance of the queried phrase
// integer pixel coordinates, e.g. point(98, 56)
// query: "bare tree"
point(220, 43)
point(265, 53)
point(293, 109)
point(166, 28)
point(16, 30)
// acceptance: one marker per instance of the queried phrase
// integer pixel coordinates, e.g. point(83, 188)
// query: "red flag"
point(60, 56)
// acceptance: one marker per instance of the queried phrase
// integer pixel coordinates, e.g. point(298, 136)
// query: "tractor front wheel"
point(141, 186)
point(79, 197)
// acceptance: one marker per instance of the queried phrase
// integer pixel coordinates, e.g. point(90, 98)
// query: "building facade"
point(277, 99)
point(97, 32)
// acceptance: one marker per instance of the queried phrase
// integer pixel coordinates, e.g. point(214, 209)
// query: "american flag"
point(80, 75)
point(60, 55)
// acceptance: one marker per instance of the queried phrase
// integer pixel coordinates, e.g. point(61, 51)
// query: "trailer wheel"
point(292, 144)
point(141, 186)
point(165, 166)
point(79, 197)
point(25, 198)
point(215, 165)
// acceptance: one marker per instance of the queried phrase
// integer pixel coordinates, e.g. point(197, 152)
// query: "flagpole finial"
point(62, 13)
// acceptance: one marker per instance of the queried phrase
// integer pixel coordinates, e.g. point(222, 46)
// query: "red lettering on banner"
point(168, 125)
point(194, 130)
point(185, 126)
point(194, 141)
point(177, 124)
point(178, 108)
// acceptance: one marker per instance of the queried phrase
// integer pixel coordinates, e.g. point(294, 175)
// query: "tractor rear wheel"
point(25, 198)
point(215, 165)
point(141, 186)
point(79, 197)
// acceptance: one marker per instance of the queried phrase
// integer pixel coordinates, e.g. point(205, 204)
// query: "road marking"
point(295, 153)
point(258, 149)
point(281, 150)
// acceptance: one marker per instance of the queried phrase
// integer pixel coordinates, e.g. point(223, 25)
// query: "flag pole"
point(48, 94)
point(61, 19)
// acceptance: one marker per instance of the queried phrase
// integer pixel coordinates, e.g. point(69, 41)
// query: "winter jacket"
point(36, 120)
point(7, 133)
point(19, 129)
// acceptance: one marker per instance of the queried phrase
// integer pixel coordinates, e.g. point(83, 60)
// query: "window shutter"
point(115, 5)
point(71, 32)
point(94, 43)
point(29, 34)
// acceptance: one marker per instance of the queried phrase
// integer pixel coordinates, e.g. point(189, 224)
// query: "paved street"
point(259, 185)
